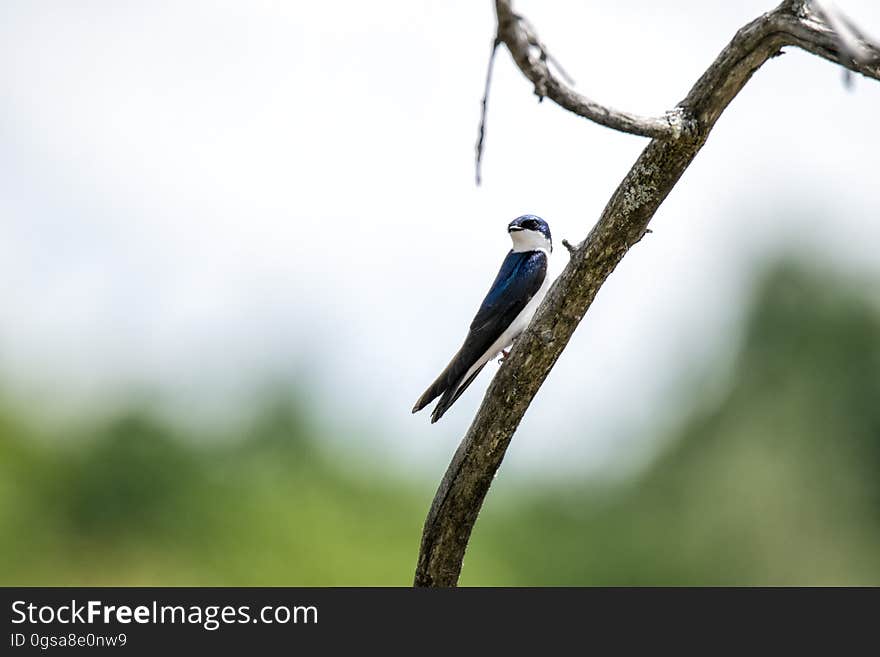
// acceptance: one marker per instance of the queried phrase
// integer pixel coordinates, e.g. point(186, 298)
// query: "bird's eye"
point(531, 224)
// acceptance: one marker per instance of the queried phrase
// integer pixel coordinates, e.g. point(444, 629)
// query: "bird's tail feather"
point(449, 376)
point(453, 393)
point(449, 379)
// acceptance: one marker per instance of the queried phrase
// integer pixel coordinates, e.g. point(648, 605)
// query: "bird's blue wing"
point(518, 280)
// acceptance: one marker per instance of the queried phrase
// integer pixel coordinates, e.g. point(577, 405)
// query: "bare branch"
point(484, 106)
point(521, 40)
point(623, 223)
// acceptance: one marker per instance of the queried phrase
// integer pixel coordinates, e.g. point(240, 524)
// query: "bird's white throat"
point(530, 240)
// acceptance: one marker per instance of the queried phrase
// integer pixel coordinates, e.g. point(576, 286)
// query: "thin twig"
point(562, 72)
point(521, 40)
point(852, 41)
point(479, 156)
point(532, 36)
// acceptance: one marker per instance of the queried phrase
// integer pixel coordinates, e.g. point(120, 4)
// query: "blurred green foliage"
point(778, 482)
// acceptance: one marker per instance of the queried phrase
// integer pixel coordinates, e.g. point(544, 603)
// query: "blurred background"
point(238, 240)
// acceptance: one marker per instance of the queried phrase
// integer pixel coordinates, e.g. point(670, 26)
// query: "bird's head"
point(530, 233)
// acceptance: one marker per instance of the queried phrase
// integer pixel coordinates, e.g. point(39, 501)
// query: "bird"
point(509, 306)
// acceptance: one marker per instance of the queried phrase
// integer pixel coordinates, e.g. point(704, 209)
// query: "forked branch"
point(677, 138)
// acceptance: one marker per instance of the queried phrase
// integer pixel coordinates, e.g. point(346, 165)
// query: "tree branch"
point(622, 224)
point(523, 44)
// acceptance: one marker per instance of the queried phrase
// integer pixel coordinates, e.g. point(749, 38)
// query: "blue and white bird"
point(518, 290)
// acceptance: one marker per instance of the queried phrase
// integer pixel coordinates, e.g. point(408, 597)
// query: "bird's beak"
point(513, 229)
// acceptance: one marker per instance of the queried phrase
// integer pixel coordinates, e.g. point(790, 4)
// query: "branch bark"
point(678, 138)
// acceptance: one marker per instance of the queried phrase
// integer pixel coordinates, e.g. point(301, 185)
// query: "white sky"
point(196, 194)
